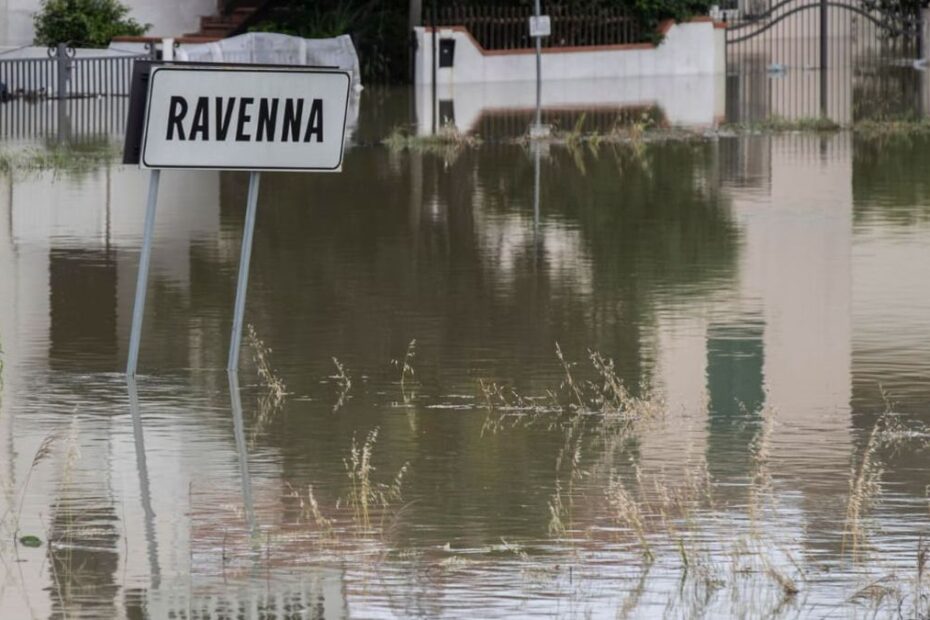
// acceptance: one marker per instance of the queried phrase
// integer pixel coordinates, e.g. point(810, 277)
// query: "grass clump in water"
point(274, 393)
point(447, 141)
point(891, 128)
point(276, 390)
point(673, 519)
point(343, 385)
point(365, 495)
point(407, 373)
point(71, 159)
point(780, 124)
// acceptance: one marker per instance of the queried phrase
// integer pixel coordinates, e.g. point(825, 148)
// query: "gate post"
point(823, 57)
point(64, 69)
point(923, 25)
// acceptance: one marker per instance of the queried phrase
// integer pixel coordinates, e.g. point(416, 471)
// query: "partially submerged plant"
point(447, 142)
point(343, 383)
point(865, 479)
point(42, 453)
point(68, 159)
point(780, 124)
point(366, 495)
point(310, 510)
point(407, 372)
point(627, 512)
point(275, 389)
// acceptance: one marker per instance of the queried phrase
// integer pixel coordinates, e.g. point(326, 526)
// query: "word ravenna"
point(300, 119)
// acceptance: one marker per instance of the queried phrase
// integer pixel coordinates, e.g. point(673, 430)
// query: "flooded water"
point(428, 421)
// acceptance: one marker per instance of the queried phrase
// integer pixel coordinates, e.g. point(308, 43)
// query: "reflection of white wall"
point(686, 100)
point(508, 238)
point(24, 327)
point(193, 488)
point(797, 266)
point(892, 310)
point(680, 361)
point(101, 209)
point(795, 271)
point(106, 209)
point(40, 212)
point(24, 293)
point(797, 263)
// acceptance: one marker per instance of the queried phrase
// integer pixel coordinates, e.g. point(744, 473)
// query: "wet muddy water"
point(404, 439)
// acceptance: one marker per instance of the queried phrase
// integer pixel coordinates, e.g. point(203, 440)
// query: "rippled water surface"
point(450, 438)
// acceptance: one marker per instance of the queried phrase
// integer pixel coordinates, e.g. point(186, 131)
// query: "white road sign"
point(245, 118)
point(540, 26)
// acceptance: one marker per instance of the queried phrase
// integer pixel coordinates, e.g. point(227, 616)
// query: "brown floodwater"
point(403, 439)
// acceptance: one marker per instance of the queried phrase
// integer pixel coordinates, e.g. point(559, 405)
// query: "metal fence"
point(498, 27)
point(67, 95)
point(73, 120)
point(65, 74)
point(814, 34)
point(806, 58)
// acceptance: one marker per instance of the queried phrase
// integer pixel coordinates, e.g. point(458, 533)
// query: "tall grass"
point(365, 494)
point(407, 372)
point(673, 518)
point(343, 385)
point(274, 391)
point(447, 143)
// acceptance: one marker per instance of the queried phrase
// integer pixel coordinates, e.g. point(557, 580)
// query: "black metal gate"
point(803, 57)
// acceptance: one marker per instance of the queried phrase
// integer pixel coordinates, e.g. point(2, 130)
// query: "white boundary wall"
point(693, 48)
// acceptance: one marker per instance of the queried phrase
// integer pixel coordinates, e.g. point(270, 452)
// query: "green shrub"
point(650, 13)
point(378, 29)
point(88, 23)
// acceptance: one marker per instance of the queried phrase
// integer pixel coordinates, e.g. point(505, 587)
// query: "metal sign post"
point(198, 116)
point(540, 26)
point(138, 308)
point(245, 258)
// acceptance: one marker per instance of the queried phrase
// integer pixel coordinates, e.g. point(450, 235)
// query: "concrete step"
point(222, 25)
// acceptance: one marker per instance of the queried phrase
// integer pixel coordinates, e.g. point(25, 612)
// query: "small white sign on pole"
point(540, 26)
point(245, 118)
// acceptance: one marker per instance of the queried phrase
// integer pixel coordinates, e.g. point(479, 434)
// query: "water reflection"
point(239, 430)
point(145, 494)
point(745, 279)
point(695, 101)
point(736, 395)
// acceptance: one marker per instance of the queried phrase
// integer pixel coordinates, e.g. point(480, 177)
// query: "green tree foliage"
point(652, 12)
point(90, 23)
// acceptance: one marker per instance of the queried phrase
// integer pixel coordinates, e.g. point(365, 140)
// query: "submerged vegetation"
point(566, 473)
point(449, 141)
point(67, 159)
point(680, 519)
point(446, 143)
point(724, 543)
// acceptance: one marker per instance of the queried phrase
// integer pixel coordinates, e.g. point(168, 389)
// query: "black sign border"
point(241, 68)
